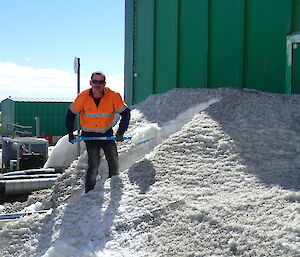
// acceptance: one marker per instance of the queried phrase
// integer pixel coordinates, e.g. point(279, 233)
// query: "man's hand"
point(119, 138)
point(71, 137)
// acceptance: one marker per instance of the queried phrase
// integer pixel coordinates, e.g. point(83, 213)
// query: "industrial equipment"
point(23, 153)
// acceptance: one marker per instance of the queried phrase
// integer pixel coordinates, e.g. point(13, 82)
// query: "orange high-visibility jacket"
point(101, 118)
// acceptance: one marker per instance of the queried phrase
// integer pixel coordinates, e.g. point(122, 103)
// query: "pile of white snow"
point(219, 177)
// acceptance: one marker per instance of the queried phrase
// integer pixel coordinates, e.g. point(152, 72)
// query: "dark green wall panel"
point(143, 50)
point(266, 40)
point(166, 31)
point(295, 21)
point(192, 43)
point(226, 43)
point(129, 51)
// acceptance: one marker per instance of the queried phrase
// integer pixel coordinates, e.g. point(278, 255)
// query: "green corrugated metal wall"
point(52, 116)
point(207, 43)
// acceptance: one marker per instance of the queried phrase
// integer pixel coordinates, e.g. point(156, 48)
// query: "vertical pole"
point(78, 76)
point(18, 156)
point(37, 126)
point(289, 62)
point(78, 91)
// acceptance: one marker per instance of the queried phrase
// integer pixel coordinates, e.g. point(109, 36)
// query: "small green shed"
point(35, 117)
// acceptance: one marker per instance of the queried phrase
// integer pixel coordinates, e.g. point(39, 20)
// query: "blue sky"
point(40, 38)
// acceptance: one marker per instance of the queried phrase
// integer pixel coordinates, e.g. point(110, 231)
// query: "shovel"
point(79, 138)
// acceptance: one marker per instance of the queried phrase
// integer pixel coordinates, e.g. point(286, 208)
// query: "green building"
point(209, 44)
point(34, 117)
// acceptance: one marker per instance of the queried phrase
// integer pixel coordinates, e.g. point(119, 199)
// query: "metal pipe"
point(33, 172)
point(37, 126)
point(25, 185)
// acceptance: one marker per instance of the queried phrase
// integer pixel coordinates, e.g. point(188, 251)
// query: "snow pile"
point(38, 206)
point(2, 208)
point(221, 178)
point(145, 133)
point(58, 157)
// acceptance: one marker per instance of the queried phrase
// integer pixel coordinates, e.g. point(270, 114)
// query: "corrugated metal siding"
point(128, 69)
point(165, 51)
point(192, 45)
point(267, 25)
point(225, 43)
point(143, 49)
point(208, 43)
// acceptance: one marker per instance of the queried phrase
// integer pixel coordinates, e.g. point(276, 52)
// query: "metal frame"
point(291, 39)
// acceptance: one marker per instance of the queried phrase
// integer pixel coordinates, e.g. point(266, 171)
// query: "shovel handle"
point(79, 138)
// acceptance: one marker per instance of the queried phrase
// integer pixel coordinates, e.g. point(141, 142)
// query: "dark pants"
point(111, 155)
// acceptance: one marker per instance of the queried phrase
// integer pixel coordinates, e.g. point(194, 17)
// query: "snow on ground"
point(220, 178)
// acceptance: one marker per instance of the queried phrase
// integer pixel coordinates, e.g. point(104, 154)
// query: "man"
point(97, 107)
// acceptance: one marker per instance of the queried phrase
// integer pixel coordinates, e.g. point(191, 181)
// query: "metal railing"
point(17, 129)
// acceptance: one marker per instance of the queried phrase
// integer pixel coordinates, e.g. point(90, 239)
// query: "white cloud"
point(116, 83)
point(23, 81)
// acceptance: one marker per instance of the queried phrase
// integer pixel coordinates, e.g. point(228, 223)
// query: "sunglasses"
point(98, 81)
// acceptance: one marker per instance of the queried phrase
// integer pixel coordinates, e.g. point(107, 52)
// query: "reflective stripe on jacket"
point(101, 118)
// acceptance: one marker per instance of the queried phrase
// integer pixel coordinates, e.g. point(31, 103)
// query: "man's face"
point(97, 83)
